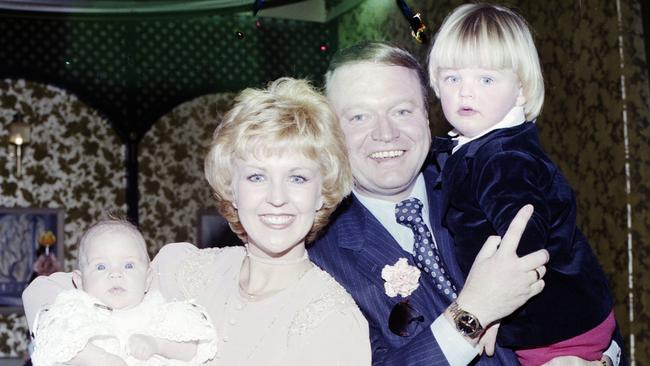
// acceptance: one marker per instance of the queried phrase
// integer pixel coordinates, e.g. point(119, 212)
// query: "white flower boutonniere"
point(401, 278)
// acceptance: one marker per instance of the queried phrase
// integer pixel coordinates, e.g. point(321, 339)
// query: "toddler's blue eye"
point(255, 178)
point(486, 80)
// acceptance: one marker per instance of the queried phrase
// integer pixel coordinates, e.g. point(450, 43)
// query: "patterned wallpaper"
point(172, 186)
point(74, 161)
point(582, 122)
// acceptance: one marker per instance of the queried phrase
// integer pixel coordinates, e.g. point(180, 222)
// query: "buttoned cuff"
point(453, 345)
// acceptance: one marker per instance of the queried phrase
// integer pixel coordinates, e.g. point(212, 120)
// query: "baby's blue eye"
point(129, 265)
point(100, 267)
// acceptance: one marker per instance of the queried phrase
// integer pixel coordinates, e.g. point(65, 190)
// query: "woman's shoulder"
point(327, 298)
point(195, 269)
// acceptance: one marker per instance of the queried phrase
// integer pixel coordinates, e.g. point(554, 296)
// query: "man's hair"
point(288, 117)
point(493, 37)
point(378, 53)
point(106, 226)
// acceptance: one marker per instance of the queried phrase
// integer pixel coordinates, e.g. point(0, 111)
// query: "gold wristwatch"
point(466, 323)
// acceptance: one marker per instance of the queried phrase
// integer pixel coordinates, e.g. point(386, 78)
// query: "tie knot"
point(409, 212)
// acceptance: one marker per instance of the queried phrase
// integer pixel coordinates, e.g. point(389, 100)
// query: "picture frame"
point(213, 230)
point(28, 236)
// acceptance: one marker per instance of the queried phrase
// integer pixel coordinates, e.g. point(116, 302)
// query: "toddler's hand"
point(142, 346)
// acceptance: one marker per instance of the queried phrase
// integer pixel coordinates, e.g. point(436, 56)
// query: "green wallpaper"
point(582, 123)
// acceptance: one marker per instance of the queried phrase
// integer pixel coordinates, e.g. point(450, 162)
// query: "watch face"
point(467, 324)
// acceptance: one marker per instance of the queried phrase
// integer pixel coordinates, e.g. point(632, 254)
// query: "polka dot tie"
point(426, 255)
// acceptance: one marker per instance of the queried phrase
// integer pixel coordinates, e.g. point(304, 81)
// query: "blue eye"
point(486, 80)
point(452, 79)
point(100, 266)
point(403, 112)
point(255, 178)
point(129, 265)
point(299, 179)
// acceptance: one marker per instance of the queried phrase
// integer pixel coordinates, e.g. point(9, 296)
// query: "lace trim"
point(196, 271)
point(333, 297)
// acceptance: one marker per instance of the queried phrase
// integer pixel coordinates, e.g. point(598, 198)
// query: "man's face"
point(382, 113)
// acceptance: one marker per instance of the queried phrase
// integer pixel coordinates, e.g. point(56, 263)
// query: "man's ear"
point(77, 281)
point(148, 280)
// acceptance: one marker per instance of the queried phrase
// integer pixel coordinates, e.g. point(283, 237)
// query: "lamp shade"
point(19, 132)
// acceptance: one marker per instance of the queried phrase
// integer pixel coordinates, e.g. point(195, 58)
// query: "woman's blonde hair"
point(289, 116)
point(493, 37)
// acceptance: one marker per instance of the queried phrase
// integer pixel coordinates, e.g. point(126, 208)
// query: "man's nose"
point(385, 130)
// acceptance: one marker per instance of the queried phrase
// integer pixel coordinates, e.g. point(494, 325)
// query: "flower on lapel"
point(401, 278)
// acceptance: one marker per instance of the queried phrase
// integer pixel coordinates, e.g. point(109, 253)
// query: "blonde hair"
point(494, 37)
point(288, 116)
point(109, 225)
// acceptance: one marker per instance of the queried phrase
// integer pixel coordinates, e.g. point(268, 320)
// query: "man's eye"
point(403, 112)
point(129, 265)
point(255, 178)
point(358, 118)
point(298, 179)
point(100, 267)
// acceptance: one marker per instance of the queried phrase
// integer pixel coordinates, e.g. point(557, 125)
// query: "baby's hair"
point(492, 37)
point(113, 223)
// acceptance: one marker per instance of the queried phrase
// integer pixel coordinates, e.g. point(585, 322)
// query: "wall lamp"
point(19, 132)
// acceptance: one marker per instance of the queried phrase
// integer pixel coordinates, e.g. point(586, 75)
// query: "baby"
point(485, 70)
point(113, 320)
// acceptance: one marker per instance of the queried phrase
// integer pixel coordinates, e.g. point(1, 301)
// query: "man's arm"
point(498, 283)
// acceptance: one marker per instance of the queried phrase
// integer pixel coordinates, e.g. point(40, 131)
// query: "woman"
point(278, 168)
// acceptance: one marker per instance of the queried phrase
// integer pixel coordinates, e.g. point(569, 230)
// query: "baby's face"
point(116, 271)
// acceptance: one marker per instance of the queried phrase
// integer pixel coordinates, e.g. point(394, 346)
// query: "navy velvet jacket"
point(356, 247)
point(484, 184)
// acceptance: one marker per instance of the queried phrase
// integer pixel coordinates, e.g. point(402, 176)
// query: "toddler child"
point(111, 319)
point(485, 70)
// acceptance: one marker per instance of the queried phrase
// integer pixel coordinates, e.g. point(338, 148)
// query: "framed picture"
point(31, 243)
point(213, 230)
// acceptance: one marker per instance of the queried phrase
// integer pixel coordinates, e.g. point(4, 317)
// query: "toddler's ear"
point(521, 98)
point(77, 280)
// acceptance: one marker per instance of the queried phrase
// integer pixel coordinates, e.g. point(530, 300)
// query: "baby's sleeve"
point(184, 321)
point(64, 328)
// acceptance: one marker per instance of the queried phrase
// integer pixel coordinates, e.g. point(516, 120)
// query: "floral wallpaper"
point(594, 132)
point(74, 161)
point(172, 185)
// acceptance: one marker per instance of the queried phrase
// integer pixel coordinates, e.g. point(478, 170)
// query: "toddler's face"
point(116, 271)
point(475, 99)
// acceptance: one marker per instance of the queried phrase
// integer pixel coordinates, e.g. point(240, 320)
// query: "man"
point(380, 93)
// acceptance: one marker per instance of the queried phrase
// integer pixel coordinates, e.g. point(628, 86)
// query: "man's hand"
point(499, 281)
point(488, 340)
point(142, 347)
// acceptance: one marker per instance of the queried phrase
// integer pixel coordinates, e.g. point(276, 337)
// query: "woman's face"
point(276, 198)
